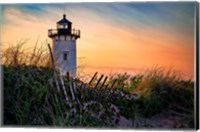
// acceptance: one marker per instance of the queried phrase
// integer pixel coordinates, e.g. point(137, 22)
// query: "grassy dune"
point(161, 98)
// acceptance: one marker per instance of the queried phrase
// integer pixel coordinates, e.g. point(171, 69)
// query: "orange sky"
point(115, 37)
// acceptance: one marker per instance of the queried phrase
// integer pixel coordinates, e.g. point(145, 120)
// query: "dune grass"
point(17, 54)
point(161, 88)
point(26, 89)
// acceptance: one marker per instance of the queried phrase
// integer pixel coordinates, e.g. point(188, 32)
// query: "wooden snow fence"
point(86, 97)
point(71, 89)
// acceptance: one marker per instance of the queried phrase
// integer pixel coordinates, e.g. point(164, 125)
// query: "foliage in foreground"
point(28, 100)
point(161, 88)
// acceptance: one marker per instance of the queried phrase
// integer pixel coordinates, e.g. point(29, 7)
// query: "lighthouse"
point(64, 46)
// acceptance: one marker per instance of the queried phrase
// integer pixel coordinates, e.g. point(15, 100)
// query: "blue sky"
point(149, 14)
point(169, 16)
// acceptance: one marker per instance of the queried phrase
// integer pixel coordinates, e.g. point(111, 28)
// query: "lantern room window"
point(62, 26)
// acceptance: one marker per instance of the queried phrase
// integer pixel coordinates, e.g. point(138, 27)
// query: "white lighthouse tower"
point(64, 46)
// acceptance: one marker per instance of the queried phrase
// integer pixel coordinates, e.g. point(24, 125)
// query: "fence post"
point(54, 69)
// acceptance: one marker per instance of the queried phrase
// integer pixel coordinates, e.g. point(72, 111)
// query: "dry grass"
point(161, 88)
point(158, 77)
point(17, 54)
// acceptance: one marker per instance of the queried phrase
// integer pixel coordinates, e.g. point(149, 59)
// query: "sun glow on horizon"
point(114, 37)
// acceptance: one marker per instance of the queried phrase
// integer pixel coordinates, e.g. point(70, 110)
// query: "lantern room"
point(64, 27)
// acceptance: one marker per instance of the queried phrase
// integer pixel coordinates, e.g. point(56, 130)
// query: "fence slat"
point(113, 83)
point(104, 81)
point(74, 87)
point(93, 78)
point(71, 89)
point(101, 87)
point(98, 81)
point(64, 89)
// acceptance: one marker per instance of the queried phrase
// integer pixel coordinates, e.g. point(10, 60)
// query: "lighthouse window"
point(65, 56)
point(65, 26)
point(62, 26)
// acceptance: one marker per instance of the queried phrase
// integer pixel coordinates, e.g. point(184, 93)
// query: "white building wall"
point(63, 45)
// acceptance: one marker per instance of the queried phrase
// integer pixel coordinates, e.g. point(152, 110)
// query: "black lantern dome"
point(64, 20)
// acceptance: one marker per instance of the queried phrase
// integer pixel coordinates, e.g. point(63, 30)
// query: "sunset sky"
point(115, 37)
